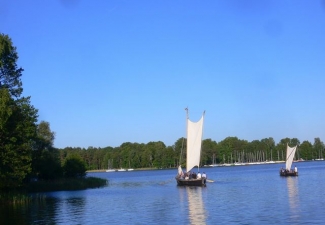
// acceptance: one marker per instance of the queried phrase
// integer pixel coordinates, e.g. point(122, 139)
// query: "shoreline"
point(126, 170)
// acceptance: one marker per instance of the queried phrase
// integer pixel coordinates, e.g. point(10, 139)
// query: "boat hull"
point(288, 173)
point(191, 182)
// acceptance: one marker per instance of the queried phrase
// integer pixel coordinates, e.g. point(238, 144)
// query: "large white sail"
point(290, 154)
point(194, 141)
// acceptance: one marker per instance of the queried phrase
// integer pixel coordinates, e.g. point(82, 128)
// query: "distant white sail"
point(290, 154)
point(194, 142)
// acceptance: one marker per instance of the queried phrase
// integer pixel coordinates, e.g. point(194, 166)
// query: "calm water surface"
point(253, 194)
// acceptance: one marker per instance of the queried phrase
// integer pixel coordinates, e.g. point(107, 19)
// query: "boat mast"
point(180, 157)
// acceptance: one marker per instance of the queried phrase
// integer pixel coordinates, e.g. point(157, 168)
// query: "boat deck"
point(286, 173)
point(191, 182)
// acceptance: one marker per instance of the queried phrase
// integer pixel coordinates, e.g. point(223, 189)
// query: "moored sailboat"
point(193, 149)
point(109, 165)
point(287, 171)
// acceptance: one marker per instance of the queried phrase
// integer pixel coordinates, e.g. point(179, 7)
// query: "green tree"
point(45, 158)
point(306, 150)
point(229, 146)
point(180, 152)
point(48, 165)
point(17, 132)
point(9, 72)
point(168, 159)
point(74, 166)
point(44, 132)
point(209, 154)
point(270, 146)
point(318, 148)
point(158, 152)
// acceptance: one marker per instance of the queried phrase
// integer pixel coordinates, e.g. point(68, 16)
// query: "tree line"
point(158, 155)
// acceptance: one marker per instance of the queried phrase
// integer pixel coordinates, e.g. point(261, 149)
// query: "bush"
point(48, 166)
point(74, 166)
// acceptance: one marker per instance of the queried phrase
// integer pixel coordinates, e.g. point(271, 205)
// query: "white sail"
point(194, 140)
point(290, 154)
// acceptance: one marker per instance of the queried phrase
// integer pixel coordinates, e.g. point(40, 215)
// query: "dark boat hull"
point(191, 182)
point(288, 173)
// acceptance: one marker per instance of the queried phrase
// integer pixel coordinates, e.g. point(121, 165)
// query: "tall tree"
point(45, 158)
point(17, 119)
point(306, 150)
point(17, 132)
point(74, 166)
point(209, 154)
point(10, 74)
point(44, 132)
point(318, 147)
point(270, 144)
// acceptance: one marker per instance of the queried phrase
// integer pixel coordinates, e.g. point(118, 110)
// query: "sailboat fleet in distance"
point(119, 170)
point(110, 169)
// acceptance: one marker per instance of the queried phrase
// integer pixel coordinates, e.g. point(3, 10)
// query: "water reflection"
point(196, 211)
point(14, 213)
point(73, 209)
point(293, 194)
point(41, 211)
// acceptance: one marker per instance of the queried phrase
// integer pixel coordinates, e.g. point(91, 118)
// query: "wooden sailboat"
point(287, 171)
point(193, 149)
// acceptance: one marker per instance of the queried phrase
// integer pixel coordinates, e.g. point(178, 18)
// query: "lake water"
point(254, 194)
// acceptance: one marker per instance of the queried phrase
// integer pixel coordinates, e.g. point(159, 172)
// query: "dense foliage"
point(10, 74)
point(17, 120)
point(157, 155)
point(74, 166)
point(17, 130)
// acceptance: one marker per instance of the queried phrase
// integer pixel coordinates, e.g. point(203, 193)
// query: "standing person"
point(205, 177)
point(198, 175)
point(296, 170)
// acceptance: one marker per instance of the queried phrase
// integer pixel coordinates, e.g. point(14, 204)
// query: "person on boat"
point(296, 169)
point(198, 175)
point(181, 175)
point(205, 177)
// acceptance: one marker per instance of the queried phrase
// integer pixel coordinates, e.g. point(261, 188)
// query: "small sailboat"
point(193, 154)
point(287, 171)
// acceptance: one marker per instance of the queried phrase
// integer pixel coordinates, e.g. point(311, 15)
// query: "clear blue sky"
point(107, 72)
